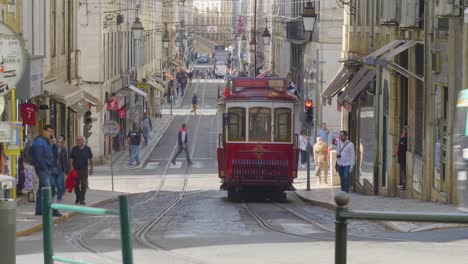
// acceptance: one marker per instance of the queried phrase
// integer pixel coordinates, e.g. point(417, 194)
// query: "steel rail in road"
point(79, 238)
point(141, 235)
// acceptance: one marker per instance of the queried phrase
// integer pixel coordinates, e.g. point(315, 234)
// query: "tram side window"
point(282, 125)
point(260, 124)
point(236, 124)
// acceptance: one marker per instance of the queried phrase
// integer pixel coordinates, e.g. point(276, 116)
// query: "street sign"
point(12, 59)
point(212, 29)
point(111, 128)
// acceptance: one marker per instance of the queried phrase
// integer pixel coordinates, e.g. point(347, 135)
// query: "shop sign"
point(5, 132)
point(116, 102)
point(111, 128)
point(143, 86)
point(122, 113)
point(12, 59)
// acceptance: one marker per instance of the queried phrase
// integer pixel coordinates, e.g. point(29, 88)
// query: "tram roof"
point(259, 89)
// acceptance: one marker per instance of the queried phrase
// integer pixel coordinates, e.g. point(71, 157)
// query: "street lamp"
point(253, 44)
point(266, 34)
point(178, 39)
point(309, 17)
point(137, 29)
point(166, 40)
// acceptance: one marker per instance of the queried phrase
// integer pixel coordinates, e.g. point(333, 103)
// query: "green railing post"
point(47, 225)
point(125, 230)
point(341, 225)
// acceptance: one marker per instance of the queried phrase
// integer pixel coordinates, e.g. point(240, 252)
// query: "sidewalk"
point(27, 223)
point(323, 196)
point(120, 158)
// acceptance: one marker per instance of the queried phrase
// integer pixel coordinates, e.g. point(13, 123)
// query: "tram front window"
point(282, 125)
point(236, 124)
point(460, 148)
point(259, 124)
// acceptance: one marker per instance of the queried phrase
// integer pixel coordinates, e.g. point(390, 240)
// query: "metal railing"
point(343, 215)
point(47, 223)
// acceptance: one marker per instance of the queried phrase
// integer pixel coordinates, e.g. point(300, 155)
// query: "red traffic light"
point(308, 103)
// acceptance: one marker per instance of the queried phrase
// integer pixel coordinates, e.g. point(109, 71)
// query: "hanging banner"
point(122, 113)
point(116, 102)
point(12, 58)
point(28, 112)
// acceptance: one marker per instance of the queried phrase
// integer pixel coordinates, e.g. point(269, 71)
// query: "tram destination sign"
point(12, 59)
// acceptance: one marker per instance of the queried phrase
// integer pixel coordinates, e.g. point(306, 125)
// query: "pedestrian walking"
point(81, 159)
point(147, 127)
point(134, 139)
point(345, 159)
point(401, 153)
point(63, 167)
point(324, 132)
point(42, 157)
point(194, 104)
point(321, 160)
point(182, 139)
point(303, 148)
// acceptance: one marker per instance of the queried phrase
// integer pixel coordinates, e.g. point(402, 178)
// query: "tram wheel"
point(234, 196)
point(279, 197)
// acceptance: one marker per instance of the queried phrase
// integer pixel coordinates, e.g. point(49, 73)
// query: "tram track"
point(264, 223)
point(78, 238)
point(142, 235)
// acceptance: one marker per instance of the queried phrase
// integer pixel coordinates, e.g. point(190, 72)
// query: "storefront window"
point(259, 124)
point(366, 148)
point(282, 125)
point(236, 124)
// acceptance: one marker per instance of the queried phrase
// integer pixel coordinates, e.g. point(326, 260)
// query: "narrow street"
point(182, 217)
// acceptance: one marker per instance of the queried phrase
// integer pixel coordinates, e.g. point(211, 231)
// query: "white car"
point(220, 69)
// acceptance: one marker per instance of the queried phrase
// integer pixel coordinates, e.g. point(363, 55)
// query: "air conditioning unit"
point(389, 12)
point(447, 7)
point(409, 13)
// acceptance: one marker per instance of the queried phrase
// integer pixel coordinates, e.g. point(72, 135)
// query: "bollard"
point(125, 230)
point(47, 226)
point(7, 220)
point(341, 225)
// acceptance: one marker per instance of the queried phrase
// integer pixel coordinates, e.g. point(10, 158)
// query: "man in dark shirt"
point(81, 158)
point(134, 139)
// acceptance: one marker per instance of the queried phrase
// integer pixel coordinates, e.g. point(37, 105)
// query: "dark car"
point(203, 58)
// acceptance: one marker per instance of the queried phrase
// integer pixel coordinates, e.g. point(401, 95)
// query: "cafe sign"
point(12, 59)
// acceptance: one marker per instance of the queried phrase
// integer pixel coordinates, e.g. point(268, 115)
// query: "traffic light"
point(309, 111)
point(88, 124)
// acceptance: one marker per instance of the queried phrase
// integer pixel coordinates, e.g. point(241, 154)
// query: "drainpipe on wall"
point(428, 158)
point(69, 39)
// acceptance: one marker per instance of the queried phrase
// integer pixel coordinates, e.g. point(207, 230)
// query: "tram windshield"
point(460, 148)
point(260, 124)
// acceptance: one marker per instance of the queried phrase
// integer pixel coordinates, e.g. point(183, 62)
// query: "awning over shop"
point(138, 91)
point(340, 80)
point(155, 85)
point(359, 82)
point(372, 58)
point(64, 92)
point(69, 94)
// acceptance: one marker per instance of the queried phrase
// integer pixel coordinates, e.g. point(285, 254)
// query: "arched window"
point(236, 124)
point(260, 124)
point(282, 125)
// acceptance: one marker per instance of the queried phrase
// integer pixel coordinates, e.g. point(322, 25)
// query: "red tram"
point(258, 138)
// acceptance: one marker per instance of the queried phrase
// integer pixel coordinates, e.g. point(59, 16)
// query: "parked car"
point(220, 69)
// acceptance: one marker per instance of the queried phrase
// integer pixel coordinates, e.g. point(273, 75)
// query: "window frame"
point(277, 125)
point(244, 112)
point(250, 138)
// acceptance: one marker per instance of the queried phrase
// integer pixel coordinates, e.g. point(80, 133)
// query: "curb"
point(146, 155)
point(412, 228)
point(58, 220)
